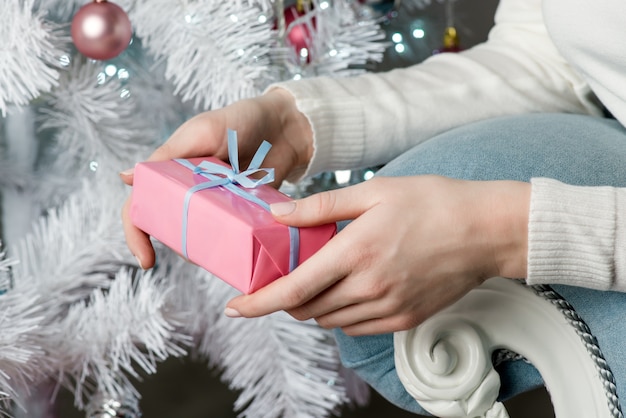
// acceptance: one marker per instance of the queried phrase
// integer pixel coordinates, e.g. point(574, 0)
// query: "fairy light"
point(65, 60)
point(123, 74)
point(110, 70)
point(342, 176)
point(418, 33)
point(397, 39)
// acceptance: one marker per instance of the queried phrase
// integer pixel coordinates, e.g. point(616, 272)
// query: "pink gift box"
point(231, 237)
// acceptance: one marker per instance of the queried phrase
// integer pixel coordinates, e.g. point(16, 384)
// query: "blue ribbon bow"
point(228, 178)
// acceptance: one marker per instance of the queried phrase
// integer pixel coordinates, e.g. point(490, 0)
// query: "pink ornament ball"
point(299, 36)
point(101, 30)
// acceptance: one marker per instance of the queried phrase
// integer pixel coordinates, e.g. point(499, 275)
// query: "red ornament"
point(101, 30)
point(299, 35)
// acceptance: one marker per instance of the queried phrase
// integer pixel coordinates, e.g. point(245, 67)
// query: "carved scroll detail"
point(445, 363)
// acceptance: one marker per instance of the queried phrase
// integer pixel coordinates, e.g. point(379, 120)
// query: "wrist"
point(508, 224)
point(290, 124)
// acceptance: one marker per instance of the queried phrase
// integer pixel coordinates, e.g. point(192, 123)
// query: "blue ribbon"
point(228, 178)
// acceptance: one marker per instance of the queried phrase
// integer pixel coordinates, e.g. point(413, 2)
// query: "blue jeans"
point(574, 149)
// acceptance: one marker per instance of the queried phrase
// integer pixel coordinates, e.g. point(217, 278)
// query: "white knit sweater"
point(541, 56)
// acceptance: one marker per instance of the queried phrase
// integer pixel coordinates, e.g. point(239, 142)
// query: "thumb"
point(324, 207)
point(127, 176)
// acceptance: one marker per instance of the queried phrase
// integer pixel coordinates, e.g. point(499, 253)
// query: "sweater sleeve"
point(368, 120)
point(577, 235)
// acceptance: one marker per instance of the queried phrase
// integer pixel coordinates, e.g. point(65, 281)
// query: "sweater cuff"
point(572, 236)
point(339, 118)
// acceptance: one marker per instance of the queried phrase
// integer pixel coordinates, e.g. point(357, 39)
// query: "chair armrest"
point(445, 363)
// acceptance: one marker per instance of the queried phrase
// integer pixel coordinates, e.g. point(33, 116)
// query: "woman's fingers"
point(138, 241)
point(127, 176)
point(327, 206)
point(200, 136)
point(330, 264)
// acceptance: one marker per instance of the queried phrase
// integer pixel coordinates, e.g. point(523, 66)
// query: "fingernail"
point(139, 262)
point(128, 172)
point(282, 208)
point(232, 313)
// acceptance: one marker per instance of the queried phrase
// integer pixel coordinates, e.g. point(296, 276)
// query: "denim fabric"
point(572, 148)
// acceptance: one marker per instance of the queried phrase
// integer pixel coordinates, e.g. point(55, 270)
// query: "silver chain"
point(590, 342)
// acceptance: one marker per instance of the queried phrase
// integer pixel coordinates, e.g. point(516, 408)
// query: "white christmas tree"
point(77, 313)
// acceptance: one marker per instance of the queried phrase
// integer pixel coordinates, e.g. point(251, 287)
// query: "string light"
point(418, 33)
point(397, 39)
point(123, 74)
point(65, 60)
point(342, 176)
point(110, 70)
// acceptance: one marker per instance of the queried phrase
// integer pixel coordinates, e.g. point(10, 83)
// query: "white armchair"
point(446, 362)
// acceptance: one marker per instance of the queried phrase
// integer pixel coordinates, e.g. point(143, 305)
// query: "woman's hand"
point(416, 245)
point(273, 117)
